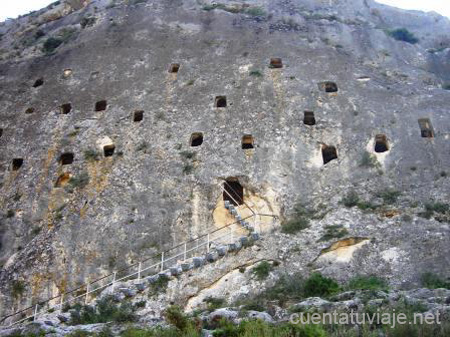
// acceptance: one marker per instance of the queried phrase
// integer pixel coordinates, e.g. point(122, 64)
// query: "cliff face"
point(88, 188)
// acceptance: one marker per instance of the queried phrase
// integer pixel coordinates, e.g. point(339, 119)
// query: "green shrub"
point(215, 303)
point(402, 34)
point(318, 285)
point(17, 288)
point(351, 199)
point(255, 11)
point(446, 86)
point(368, 160)
point(177, 318)
point(367, 283)
point(433, 281)
point(51, 44)
point(389, 196)
point(333, 232)
point(91, 155)
point(80, 181)
point(188, 154)
point(299, 220)
point(159, 286)
point(256, 73)
point(262, 270)
point(106, 310)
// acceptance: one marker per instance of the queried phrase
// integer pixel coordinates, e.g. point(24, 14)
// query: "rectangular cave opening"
point(101, 105)
point(138, 116)
point(329, 153)
point(65, 108)
point(233, 192)
point(16, 164)
point(220, 102)
point(276, 62)
point(108, 150)
point(29, 110)
point(381, 143)
point(66, 158)
point(308, 118)
point(426, 129)
point(174, 67)
point(247, 142)
point(328, 86)
point(196, 139)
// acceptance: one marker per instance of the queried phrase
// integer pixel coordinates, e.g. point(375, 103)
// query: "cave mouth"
point(196, 139)
point(101, 105)
point(38, 82)
point(108, 150)
point(276, 62)
point(308, 118)
point(138, 116)
point(381, 144)
point(426, 129)
point(247, 142)
point(174, 67)
point(221, 102)
point(328, 86)
point(328, 153)
point(65, 108)
point(233, 192)
point(16, 164)
point(66, 158)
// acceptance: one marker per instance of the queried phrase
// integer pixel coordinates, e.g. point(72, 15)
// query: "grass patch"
point(262, 270)
point(91, 155)
point(299, 221)
point(333, 232)
point(256, 73)
point(215, 303)
point(433, 281)
point(80, 181)
point(433, 208)
point(368, 160)
point(367, 283)
point(352, 199)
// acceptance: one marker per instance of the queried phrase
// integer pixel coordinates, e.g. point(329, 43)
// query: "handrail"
point(116, 272)
point(35, 314)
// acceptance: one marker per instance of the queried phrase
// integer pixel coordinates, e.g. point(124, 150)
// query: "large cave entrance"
point(233, 192)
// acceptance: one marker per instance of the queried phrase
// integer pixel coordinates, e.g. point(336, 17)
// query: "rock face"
point(120, 122)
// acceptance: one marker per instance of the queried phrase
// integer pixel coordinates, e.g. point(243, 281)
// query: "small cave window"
point(63, 179)
point(328, 86)
point(174, 67)
point(65, 108)
point(381, 144)
point(1, 132)
point(101, 105)
point(138, 116)
point(16, 164)
point(66, 158)
point(108, 150)
point(196, 139)
point(29, 110)
point(276, 62)
point(308, 118)
point(38, 82)
point(233, 192)
point(247, 142)
point(426, 129)
point(221, 102)
point(328, 153)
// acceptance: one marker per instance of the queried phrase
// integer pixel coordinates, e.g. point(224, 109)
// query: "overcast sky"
point(13, 8)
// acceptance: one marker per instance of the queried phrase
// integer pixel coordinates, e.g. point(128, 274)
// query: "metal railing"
point(158, 263)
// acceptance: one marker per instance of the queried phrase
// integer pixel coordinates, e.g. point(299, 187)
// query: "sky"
point(14, 8)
